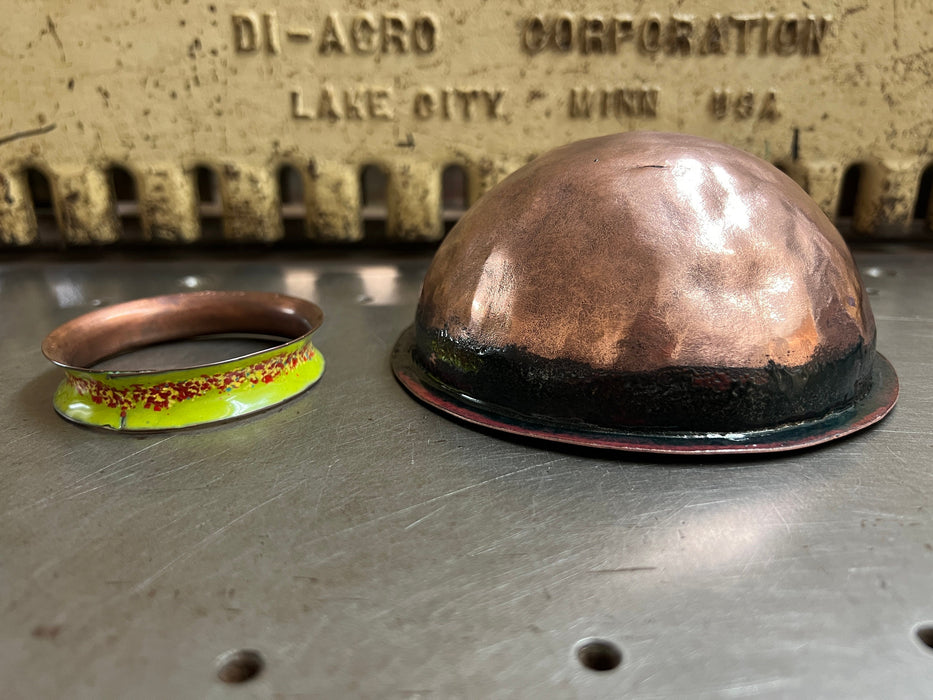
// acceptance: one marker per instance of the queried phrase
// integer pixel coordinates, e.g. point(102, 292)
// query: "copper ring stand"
point(144, 399)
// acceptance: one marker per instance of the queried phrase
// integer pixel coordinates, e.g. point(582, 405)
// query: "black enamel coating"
point(871, 407)
point(686, 398)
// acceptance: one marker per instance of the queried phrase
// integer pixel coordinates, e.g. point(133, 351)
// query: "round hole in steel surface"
point(239, 666)
point(599, 654)
point(924, 632)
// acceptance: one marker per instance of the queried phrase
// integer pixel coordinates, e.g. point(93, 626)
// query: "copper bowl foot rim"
point(793, 436)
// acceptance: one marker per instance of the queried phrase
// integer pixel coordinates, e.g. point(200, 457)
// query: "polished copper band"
point(181, 397)
point(95, 336)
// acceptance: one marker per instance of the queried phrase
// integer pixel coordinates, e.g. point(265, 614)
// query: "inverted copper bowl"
point(649, 291)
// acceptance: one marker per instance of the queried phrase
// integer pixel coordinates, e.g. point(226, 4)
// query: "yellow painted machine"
point(185, 115)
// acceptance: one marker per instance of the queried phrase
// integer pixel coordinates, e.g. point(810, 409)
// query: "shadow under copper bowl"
point(650, 292)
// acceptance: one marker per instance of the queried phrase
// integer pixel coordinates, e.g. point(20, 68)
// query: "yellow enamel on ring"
point(151, 400)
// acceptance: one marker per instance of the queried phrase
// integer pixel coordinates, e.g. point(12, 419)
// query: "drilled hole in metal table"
point(599, 654)
point(924, 634)
point(239, 666)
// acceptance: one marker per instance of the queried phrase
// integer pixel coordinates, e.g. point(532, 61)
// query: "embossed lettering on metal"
point(237, 92)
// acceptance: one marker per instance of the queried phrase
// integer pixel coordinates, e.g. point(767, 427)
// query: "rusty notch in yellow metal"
point(334, 201)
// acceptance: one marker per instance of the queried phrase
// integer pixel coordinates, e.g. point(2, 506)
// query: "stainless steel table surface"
point(368, 547)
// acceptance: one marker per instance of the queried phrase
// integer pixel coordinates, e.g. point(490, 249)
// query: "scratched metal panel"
point(367, 547)
point(159, 88)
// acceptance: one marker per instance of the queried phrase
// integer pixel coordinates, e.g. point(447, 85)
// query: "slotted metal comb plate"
point(165, 94)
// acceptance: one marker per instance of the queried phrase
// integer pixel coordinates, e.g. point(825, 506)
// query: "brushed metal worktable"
point(365, 546)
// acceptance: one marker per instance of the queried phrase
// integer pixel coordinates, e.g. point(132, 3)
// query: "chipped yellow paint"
point(163, 88)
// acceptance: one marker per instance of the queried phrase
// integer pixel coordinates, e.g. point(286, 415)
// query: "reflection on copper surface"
point(98, 335)
point(694, 254)
point(492, 299)
point(649, 291)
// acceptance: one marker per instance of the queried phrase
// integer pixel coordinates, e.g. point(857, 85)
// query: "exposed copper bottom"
point(95, 336)
point(642, 250)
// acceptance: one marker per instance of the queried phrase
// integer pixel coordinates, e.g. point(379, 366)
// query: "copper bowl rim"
point(868, 410)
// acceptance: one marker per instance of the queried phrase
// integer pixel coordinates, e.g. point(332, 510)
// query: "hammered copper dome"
point(649, 291)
